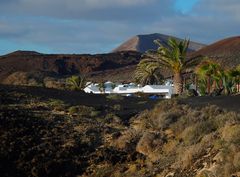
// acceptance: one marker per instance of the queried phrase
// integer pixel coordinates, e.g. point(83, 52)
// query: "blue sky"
point(98, 26)
point(185, 6)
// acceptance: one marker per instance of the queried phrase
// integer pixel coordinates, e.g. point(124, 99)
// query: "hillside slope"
point(142, 43)
point(226, 52)
point(59, 65)
point(51, 132)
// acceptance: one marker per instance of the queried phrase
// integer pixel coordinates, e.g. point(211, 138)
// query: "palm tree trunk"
point(196, 82)
point(184, 83)
point(178, 83)
point(209, 85)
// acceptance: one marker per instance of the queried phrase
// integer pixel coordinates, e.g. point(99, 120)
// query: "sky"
point(99, 26)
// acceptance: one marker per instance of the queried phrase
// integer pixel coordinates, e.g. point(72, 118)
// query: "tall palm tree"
point(209, 71)
point(147, 73)
point(238, 78)
point(173, 57)
point(231, 79)
point(77, 82)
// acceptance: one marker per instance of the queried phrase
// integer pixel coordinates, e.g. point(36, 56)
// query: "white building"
point(92, 88)
point(165, 90)
point(159, 89)
point(125, 89)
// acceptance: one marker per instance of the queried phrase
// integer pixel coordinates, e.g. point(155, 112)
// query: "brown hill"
point(61, 65)
point(226, 52)
point(142, 43)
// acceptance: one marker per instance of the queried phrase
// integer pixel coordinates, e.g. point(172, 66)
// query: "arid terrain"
point(51, 70)
point(226, 52)
point(31, 68)
point(49, 132)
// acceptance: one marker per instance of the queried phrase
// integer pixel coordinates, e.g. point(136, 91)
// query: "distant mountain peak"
point(23, 53)
point(144, 42)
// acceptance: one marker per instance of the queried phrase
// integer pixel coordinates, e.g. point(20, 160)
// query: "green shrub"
point(115, 97)
point(95, 113)
point(57, 105)
point(73, 110)
point(117, 107)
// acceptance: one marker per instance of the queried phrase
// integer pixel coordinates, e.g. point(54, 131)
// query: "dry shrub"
point(187, 155)
point(112, 118)
point(211, 111)
point(127, 140)
point(226, 118)
point(209, 139)
point(81, 110)
point(170, 146)
point(206, 173)
point(151, 144)
point(50, 82)
point(236, 161)
point(164, 120)
point(228, 169)
point(106, 170)
point(231, 134)
point(141, 122)
point(132, 168)
point(25, 78)
point(194, 133)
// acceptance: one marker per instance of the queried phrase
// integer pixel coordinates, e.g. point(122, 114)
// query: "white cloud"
point(99, 25)
point(85, 9)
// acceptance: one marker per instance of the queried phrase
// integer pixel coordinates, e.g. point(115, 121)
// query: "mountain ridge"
point(143, 42)
point(226, 51)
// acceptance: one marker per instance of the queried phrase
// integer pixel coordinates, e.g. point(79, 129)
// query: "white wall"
point(123, 89)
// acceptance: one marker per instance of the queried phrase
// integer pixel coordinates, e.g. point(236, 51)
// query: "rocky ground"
point(47, 132)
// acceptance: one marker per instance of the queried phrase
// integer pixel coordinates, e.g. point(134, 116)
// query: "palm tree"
point(209, 72)
point(77, 82)
point(238, 78)
point(147, 73)
point(173, 57)
point(231, 80)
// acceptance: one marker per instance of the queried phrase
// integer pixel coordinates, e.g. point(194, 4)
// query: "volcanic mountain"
point(226, 52)
point(142, 43)
point(34, 64)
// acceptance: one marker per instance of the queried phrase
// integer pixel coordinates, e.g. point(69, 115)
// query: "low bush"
point(193, 134)
point(82, 110)
point(115, 97)
point(117, 107)
point(112, 118)
point(57, 105)
point(230, 134)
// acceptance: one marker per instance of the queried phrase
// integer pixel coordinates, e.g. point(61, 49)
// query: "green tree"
point(174, 58)
point(235, 75)
point(77, 82)
point(208, 72)
point(230, 80)
point(148, 73)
